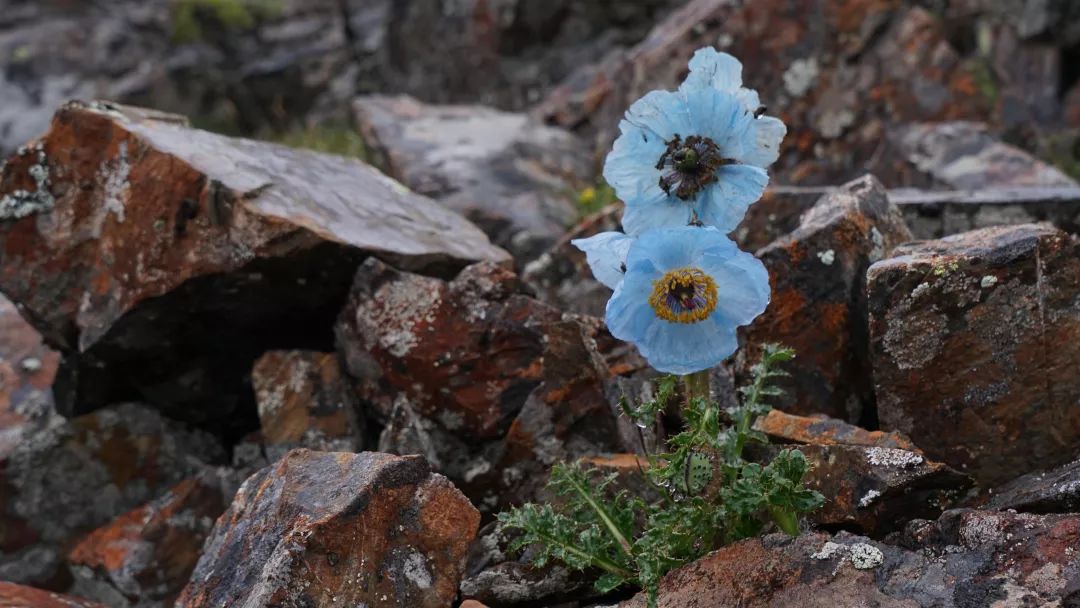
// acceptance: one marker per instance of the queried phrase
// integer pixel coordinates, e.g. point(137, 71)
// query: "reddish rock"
point(975, 340)
point(27, 369)
point(967, 558)
point(305, 401)
point(821, 430)
point(163, 259)
point(18, 596)
point(65, 480)
point(145, 557)
point(337, 529)
point(818, 299)
point(516, 178)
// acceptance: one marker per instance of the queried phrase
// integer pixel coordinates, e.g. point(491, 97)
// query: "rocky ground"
point(234, 373)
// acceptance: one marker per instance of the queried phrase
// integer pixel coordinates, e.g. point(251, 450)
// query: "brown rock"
point(18, 596)
point(337, 529)
point(975, 340)
point(1053, 491)
point(145, 557)
point(163, 259)
point(27, 369)
point(967, 558)
point(516, 178)
point(305, 401)
point(821, 430)
point(818, 299)
point(73, 476)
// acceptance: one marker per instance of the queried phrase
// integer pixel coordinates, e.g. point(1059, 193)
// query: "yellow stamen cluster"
point(684, 295)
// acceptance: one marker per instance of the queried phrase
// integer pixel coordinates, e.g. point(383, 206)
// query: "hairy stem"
point(697, 385)
point(785, 520)
point(600, 562)
point(602, 513)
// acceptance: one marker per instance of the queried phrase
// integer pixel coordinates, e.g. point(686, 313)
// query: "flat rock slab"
point(67, 479)
point(132, 240)
point(818, 302)
point(515, 177)
point(337, 529)
point(1053, 491)
point(975, 343)
point(966, 558)
point(821, 430)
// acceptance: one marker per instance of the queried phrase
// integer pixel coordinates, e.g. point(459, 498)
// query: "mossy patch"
point(190, 17)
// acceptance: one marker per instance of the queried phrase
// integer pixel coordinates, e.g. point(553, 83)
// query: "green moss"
point(985, 81)
point(336, 137)
point(595, 198)
point(189, 17)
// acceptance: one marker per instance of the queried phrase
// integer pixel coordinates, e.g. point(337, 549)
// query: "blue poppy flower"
point(606, 255)
point(684, 292)
point(697, 153)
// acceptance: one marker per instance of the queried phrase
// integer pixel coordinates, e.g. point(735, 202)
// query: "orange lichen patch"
point(828, 431)
point(109, 547)
point(618, 462)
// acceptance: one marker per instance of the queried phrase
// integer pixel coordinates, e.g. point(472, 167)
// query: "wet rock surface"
point(966, 558)
point(304, 400)
point(818, 299)
point(515, 178)
point(145, 557)
point(181, 255)
point(330, 529)
point(974, 343)
point(72, 476)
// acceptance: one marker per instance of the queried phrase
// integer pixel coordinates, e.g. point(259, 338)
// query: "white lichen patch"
point(396, 311)
point(18, 204)
point(988, 281)
point(416, 571)
point(878, 240)
point(892, 457)
point(869, 498)
point(830, 550)
point(827, 257)
point(920, 289)
point(30, 364)
point(800, 76)
point(866, 557)
point(115, 186)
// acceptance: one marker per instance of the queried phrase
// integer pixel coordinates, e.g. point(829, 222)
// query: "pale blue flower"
point(606, 255)
point(684, 293)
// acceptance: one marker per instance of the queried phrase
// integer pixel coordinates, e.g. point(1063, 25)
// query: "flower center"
point(689, 165)
point(684, 295)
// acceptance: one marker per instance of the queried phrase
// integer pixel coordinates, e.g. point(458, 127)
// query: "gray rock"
point(1053, 491)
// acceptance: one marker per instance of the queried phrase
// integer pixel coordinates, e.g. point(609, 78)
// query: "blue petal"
point(742, 282)
point(606, 255)
point(628, 314)
point(725, 202)
point(630, 167)
point(661, 113)
point(667, 248)
point(668, 212)
point(685, 348)
point(762, 145)
point(710, 68)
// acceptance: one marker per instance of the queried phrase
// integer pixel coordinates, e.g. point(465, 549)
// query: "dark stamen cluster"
point(689, 165)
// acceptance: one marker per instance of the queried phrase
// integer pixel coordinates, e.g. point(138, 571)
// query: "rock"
point(876, 490)
point(818, 300)
point(824, 431)
point(515, 178)
point(73, 476)
point(18, 596)
point(481, 376)
point(1053, 491)
point(305, 401)
point(472, 604)
point(967, 558)
point(337, 529)
point(27, 369)
point(932, 214)
point(174, 254)
point(966, 156)
point(974, 342)
point(145, 557)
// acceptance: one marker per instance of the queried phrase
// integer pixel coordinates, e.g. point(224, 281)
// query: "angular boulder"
point(966, 558)
point(74, 475)
point(163, 259)
point(819, 300)
point(515, 178)
point(1053, 491)
point(305, 401)
point(337, 529)
point(821, 430)
point(975, 343)
point(145, 557)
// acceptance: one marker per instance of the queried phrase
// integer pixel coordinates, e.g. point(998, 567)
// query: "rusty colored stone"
point(821, 430)
point(74, 475)
point(305, 401)
point(19, 596)
point(27, 369)
point(966, 558)
point(975, 341)
point(818, 300)
point(163, 259)
point(337, 529)
point(514, 177)
point(145, 557)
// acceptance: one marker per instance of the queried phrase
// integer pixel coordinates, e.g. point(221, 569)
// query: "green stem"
point(613, 529)
point(600, 562)
point(697, 385)
point(785, 520)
